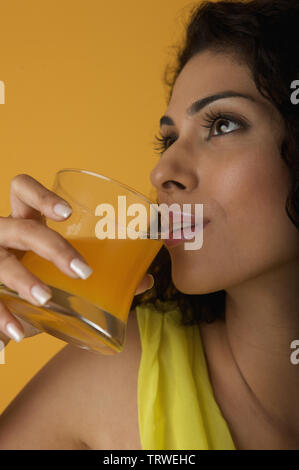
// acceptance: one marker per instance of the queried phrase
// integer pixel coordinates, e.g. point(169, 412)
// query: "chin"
point(190, 282)
point(187, 286)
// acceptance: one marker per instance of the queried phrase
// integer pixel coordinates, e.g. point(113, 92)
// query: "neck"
point(261, 321)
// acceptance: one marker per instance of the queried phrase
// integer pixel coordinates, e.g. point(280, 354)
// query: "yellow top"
point(176, 406)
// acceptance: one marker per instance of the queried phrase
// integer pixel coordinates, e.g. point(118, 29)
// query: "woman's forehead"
point(208, 74)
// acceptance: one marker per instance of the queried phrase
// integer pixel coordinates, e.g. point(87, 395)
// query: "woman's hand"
point(25, 229)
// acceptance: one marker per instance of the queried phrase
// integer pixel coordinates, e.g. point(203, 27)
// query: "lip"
point(175, 241)
point(188, 218)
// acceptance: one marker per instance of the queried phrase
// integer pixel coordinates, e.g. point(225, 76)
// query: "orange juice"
point(92, 313)
point(117, 271)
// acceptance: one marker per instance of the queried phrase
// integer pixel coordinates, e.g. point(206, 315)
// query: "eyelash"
point(160, 142)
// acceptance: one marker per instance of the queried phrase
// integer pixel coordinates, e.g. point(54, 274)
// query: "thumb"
point(146, 284)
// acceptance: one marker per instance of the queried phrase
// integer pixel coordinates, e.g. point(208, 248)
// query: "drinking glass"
point(92, 313)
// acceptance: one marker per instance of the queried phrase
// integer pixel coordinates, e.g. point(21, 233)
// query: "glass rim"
point(107, 178)
point(112, 180)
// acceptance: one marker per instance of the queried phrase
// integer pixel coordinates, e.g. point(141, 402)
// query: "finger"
point(146, 284)
point(17, 277)
point(29, 329)
point(29, 234)
point(29, 199)
point(9, 325)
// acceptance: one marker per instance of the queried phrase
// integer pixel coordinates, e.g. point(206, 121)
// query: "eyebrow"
point(200, 104)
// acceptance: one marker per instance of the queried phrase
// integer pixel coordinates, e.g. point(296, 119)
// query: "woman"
point(222, 376)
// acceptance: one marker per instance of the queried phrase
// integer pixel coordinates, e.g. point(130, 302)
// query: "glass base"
point(71, 319)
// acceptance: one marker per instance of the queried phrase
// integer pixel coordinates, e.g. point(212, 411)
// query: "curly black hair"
point(264, 34)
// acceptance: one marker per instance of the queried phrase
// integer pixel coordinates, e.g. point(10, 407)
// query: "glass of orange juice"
point(115, 229)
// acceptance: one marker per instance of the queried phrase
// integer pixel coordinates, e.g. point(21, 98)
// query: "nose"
point(173, 177)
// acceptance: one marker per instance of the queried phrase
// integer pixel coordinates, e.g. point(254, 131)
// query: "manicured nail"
point(40, 294)
point(80, 268)
point(151, 281)
point(14, 332)
point(62, 210)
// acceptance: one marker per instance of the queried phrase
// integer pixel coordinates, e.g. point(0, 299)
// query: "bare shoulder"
point(79, 399)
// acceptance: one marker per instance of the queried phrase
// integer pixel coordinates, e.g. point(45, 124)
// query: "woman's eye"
point(223, 125)
point(162, 143)
point(168, 141)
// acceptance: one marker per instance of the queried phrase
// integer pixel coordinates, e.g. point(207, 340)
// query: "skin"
point(250, 249)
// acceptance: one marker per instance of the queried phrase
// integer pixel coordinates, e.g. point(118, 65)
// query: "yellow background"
point(83, 88)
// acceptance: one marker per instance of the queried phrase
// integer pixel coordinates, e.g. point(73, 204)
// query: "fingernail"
point(80, 268)
point(62, 210)
point(40, 294)
point(14, 332)
point(151, 281)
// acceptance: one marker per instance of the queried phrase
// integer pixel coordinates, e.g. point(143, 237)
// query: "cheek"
point(245, 193)
point(251, 188)
point(251, 193)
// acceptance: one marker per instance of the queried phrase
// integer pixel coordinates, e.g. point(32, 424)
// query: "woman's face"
point(234, 169)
